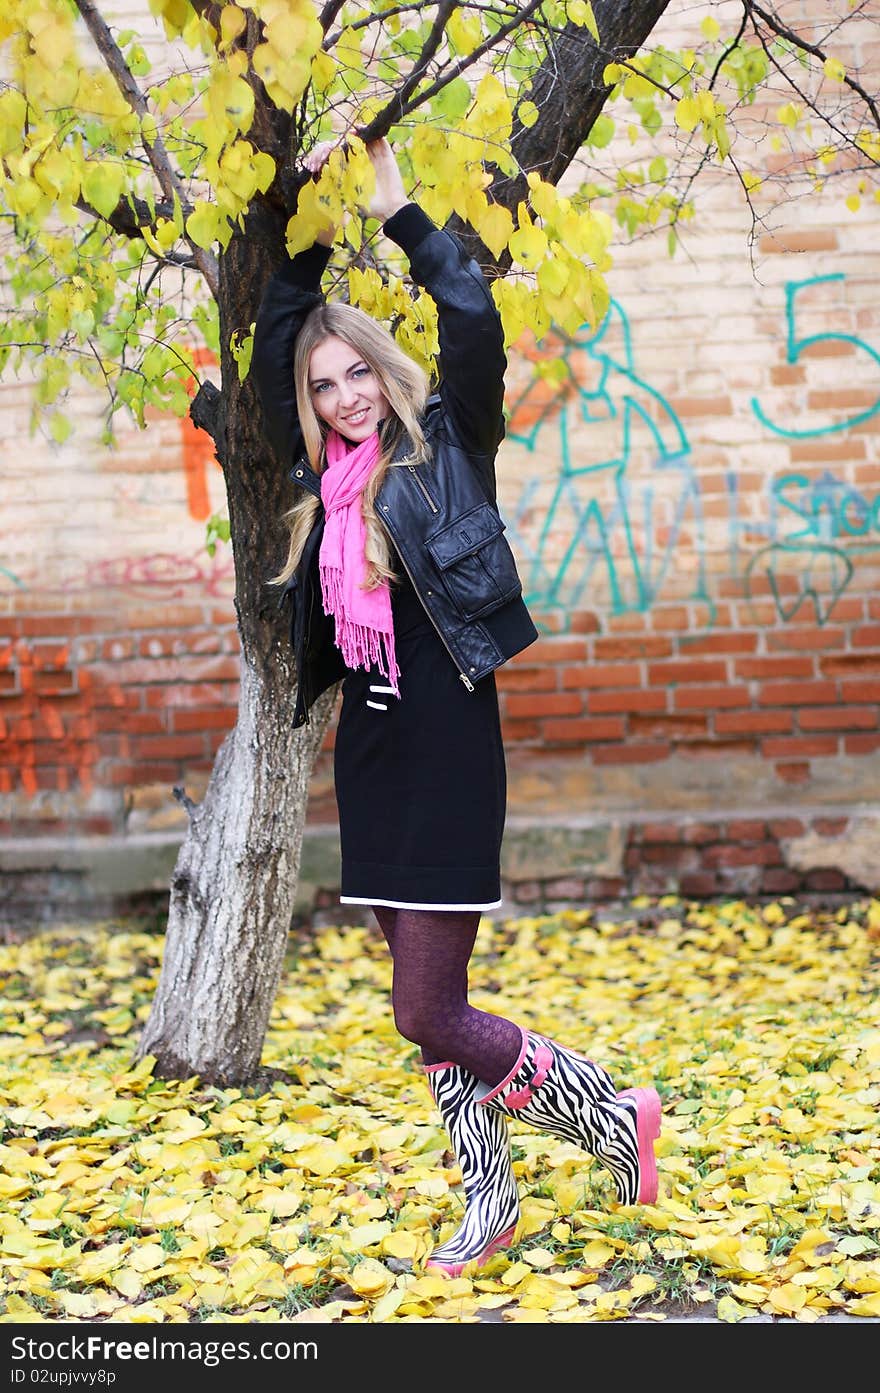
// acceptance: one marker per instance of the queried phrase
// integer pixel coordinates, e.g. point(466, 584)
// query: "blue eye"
point(359, 372)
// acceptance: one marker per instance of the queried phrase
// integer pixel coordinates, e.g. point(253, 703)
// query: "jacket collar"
point(305, 477)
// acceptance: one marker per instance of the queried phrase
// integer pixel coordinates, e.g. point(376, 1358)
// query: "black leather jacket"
point(441, 516)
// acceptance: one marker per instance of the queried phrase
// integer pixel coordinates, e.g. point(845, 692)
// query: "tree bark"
point(234, 883)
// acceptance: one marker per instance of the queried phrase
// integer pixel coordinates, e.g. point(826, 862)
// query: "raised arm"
point(289, 296)
point(472, 357)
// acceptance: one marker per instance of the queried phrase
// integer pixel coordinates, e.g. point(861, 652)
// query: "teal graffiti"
point(796, 346)
point(823, 573)
point(624, 398)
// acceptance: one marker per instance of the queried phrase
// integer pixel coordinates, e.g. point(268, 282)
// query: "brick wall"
point(696, 513)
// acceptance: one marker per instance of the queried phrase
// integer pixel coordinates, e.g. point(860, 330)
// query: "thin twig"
point(156, 152)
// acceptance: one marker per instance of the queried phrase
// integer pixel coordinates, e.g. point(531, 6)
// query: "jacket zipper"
point(427, 497)
point(462, 676)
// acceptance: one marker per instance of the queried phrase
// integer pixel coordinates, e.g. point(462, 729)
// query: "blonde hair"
point(405, 387)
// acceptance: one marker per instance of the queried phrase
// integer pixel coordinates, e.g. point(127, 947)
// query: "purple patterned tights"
point(430, 950)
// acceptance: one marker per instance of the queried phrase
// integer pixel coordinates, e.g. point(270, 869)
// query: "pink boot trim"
point(647, 1101)
point(432, 1068)
point(455, 1269)
point(493, 1093)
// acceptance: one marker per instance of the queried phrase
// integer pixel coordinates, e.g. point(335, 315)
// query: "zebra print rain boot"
point(481, 1142)
point(560, 1092)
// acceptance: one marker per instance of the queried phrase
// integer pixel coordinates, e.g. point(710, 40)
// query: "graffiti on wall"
point(608, 520)
point(601, 516)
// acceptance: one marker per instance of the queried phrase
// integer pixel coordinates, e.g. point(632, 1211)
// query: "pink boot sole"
point(647, 1101)
point(455, 1269)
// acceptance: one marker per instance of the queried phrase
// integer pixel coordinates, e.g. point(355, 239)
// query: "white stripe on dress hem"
point(409, 904)
point(378, 705)
point(390, 690)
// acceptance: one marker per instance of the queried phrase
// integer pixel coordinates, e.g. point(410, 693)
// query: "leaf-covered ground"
point(318, 1196)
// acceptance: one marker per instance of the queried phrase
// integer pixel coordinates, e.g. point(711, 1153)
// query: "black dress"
point(421, 784)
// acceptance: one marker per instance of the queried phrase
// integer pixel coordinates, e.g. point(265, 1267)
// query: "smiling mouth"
point(357, 416)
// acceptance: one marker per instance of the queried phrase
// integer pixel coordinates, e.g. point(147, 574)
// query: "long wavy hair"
point(405, 387)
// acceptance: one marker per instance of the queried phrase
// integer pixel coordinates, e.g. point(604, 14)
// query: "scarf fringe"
point(360, 645)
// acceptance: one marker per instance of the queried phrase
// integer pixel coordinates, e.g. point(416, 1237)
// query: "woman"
point(402, 583)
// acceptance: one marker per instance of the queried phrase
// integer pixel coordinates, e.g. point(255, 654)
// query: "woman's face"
point(344, 390)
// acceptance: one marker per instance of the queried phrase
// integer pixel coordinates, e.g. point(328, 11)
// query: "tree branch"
point(783, 32)
point(569, 91)
point(395, 110)
point(156, 152)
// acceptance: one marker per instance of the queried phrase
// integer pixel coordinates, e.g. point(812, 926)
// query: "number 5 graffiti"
point(795, 347)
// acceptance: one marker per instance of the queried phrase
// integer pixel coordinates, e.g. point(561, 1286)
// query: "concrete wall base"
point(548, 864)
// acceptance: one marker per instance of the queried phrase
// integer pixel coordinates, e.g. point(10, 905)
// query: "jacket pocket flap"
point(464, 536)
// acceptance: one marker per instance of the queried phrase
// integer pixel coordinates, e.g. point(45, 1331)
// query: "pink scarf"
point(364, 627)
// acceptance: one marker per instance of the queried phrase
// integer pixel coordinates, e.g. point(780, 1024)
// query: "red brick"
point(601, 701)
point(850, 664)
point(203, 720)
point(527, 679)
point(830, 826)
point(796, 693)
point(610, 728)
point(800, 239)
point(567, 889)
point(785, 827)
point(664, 854)
point(756, 854)
point(646, 647)
point(193, 694)
point(665, 674)
point(722, 748)
point(861, 744)
point(810, 639)
point(544, 704)
point(168, 746)
point(796, 772)
point(514, 731)
point(857, 690)
point(670, 617)
point(172, 615)
point(673, 727)
point(698, 884)
point(594, 675)
point(759, 668)
point(584, 622)
point(866, 636)
point(745, 831)
point(825, 451)
point(710, 698)
point(141, 772)
point(757, 722)
point(561, 650)
point(699, 833)
point(839, 718)
point(718, 643)
point(631, 753)
point(778, 880)
point(808, 747)
point(658, 832)
point(702, 406)
point(825, 879)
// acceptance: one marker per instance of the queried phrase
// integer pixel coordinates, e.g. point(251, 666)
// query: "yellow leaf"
point(401, 1244)
point(729, 1310)
point(710, 28)
point(370, 1278)
point(834, 69)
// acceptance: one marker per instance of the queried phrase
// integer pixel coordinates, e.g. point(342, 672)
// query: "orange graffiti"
point(530, 397)
point(39, 731)
point(198, 450)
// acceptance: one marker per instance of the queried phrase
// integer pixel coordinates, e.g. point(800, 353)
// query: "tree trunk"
point(232, 895)
point(234, 884)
